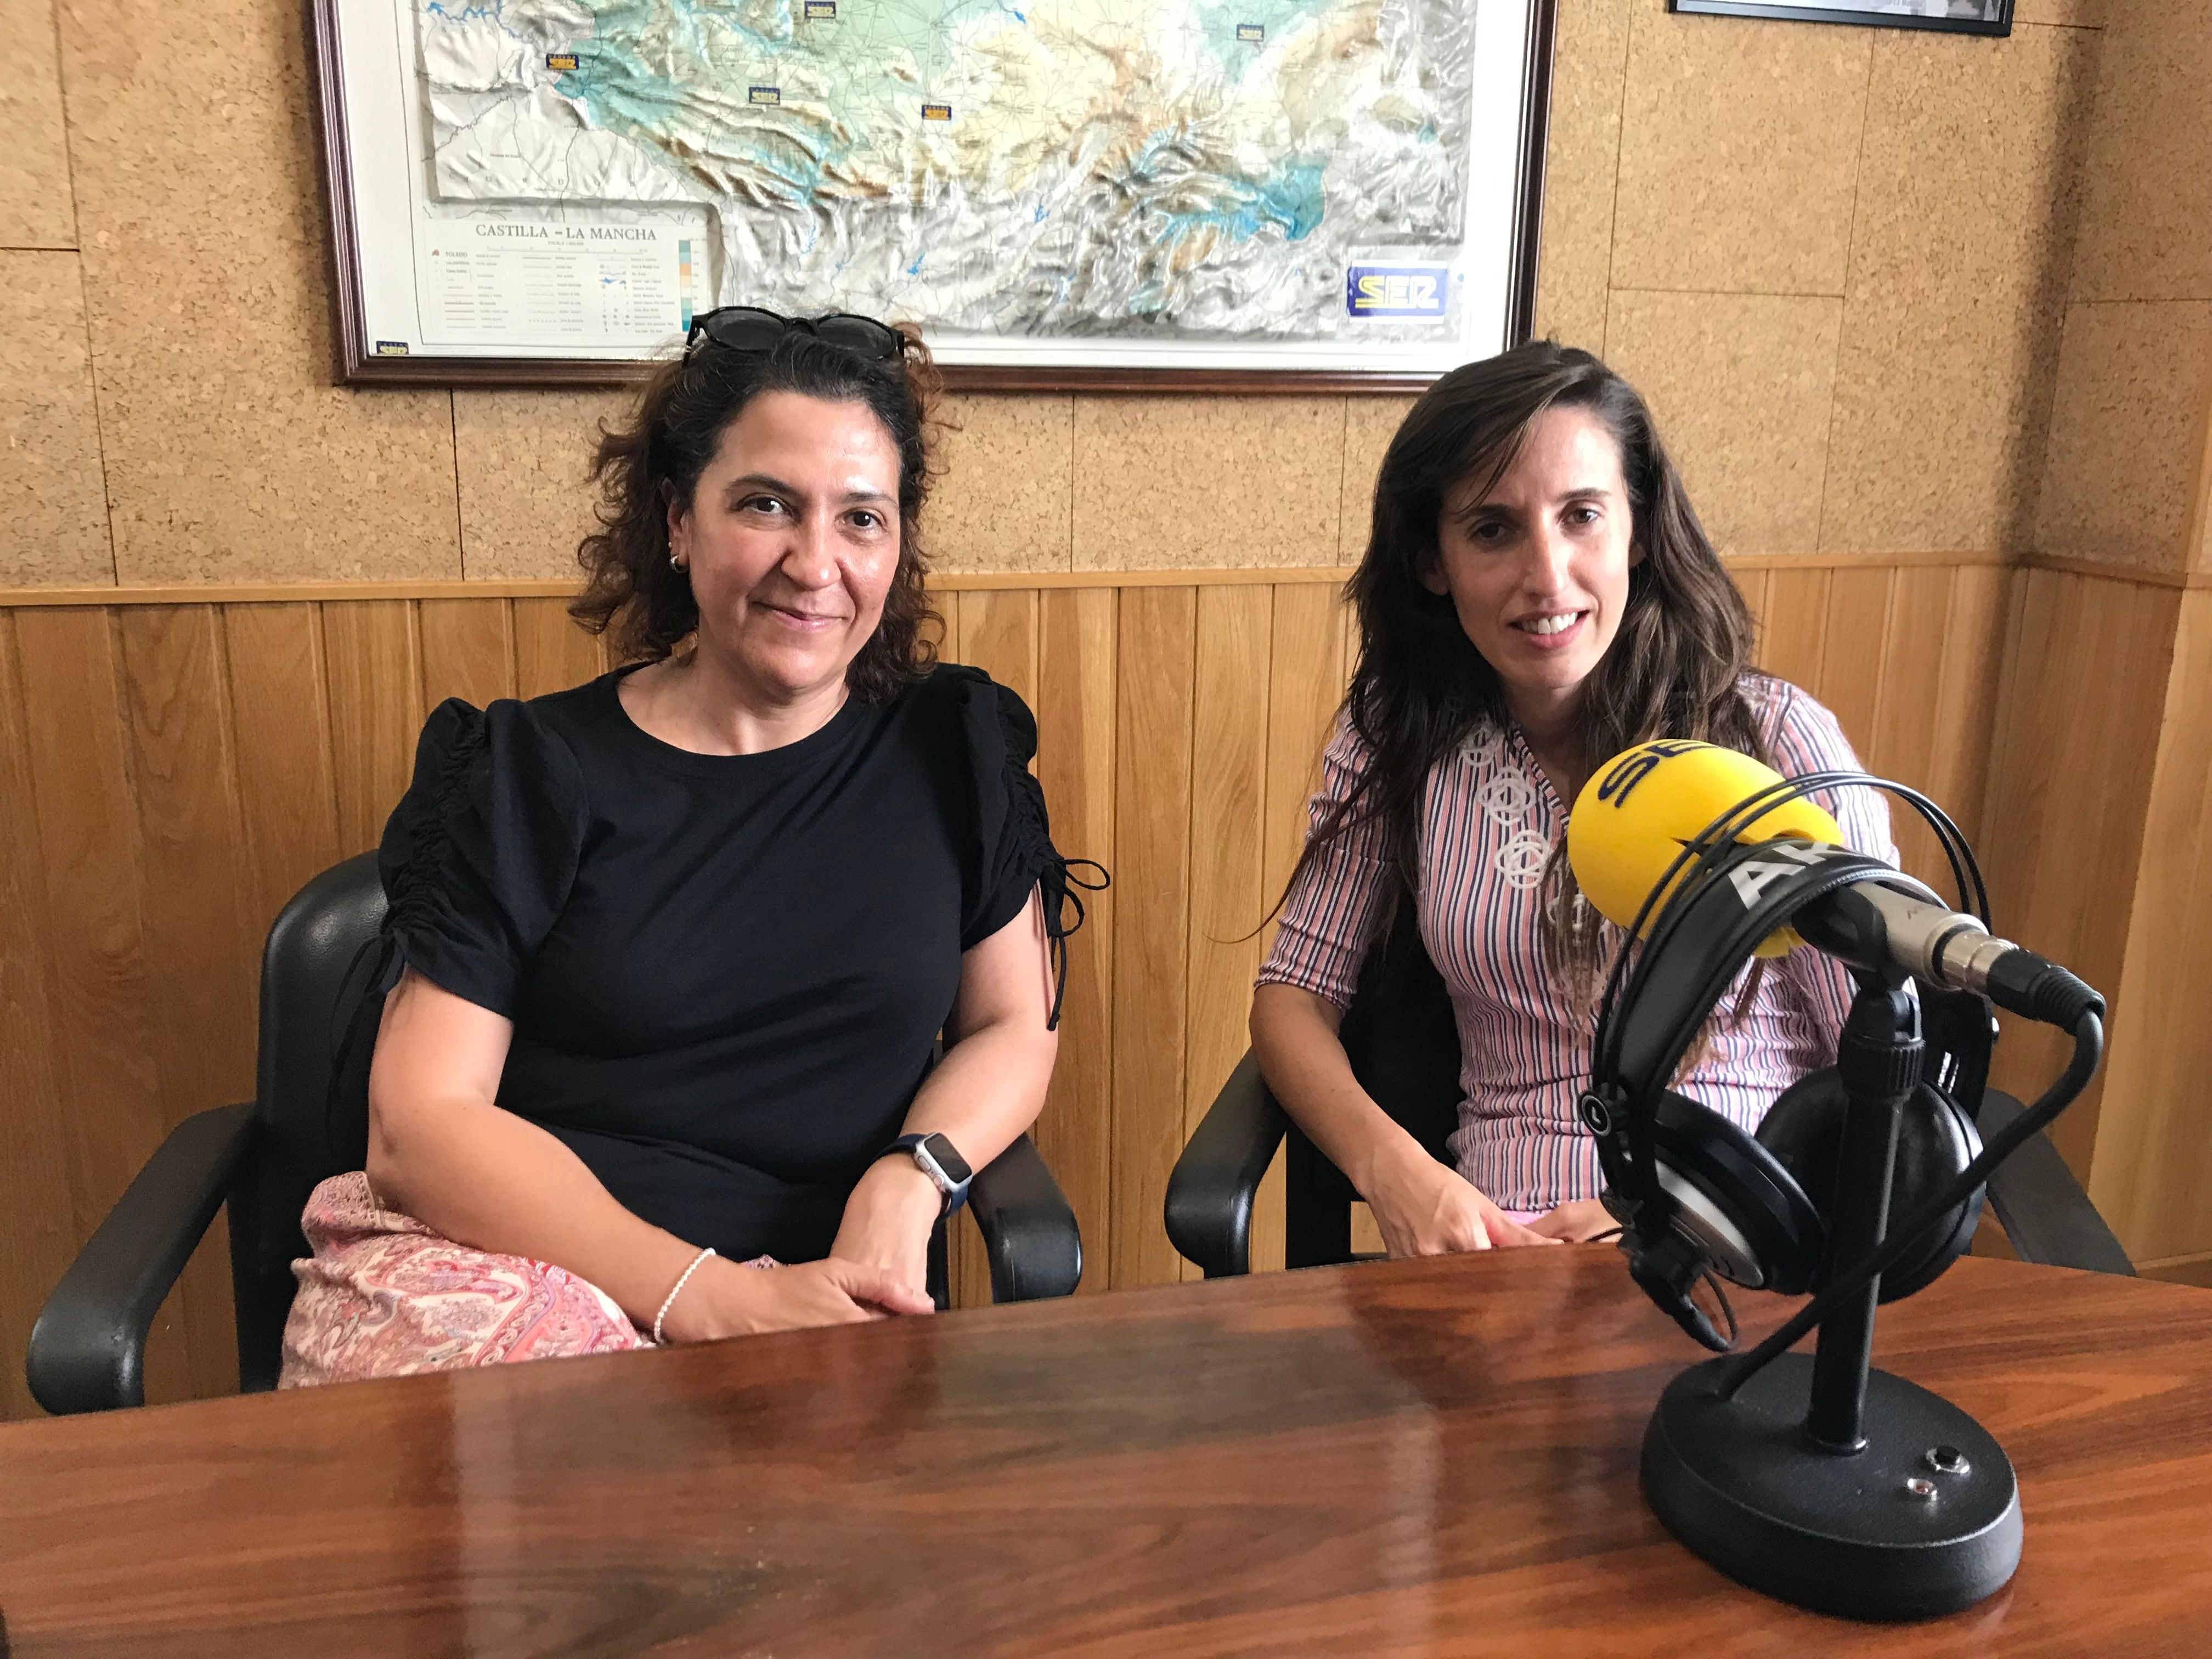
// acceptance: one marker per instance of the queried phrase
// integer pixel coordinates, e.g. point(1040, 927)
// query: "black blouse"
point(726, 974)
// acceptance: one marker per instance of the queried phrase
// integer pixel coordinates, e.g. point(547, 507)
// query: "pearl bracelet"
point(681, 1279)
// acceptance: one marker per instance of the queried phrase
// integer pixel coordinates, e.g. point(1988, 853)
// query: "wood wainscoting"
point(2100, 840)
point(175, 764)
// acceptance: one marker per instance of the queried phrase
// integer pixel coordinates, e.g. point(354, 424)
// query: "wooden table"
point(1432, 1457)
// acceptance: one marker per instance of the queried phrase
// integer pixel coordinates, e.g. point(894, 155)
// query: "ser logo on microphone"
point(1638, 764)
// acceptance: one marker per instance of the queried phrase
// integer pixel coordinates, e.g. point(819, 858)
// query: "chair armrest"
point(1029, 1232)
point(1209, 1207)
point(88, 1351)
point(2045, 1215)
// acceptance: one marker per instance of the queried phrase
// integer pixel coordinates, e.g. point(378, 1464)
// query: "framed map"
point(1211, 195)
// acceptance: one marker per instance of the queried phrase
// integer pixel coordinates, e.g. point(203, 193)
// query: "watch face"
point(942, 1154)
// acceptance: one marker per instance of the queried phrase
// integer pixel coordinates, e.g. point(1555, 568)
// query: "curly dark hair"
point(644, 604)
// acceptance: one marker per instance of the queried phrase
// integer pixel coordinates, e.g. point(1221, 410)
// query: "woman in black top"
point(672, 949)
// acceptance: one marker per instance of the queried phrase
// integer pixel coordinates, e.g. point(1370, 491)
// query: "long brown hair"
point(1421, 688)
point(644, 604)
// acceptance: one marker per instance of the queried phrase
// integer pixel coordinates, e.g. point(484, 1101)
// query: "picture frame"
point(373, 100)
point(1946, 16)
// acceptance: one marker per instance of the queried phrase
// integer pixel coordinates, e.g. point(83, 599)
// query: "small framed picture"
point(1956, 17)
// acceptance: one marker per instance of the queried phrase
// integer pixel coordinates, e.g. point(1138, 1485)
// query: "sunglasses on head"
point(749, 329)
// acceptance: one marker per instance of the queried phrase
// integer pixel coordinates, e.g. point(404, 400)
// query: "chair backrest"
point(1404, 1048)
point(309, 1131)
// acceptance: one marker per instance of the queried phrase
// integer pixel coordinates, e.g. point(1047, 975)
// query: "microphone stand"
point(1819, 1479)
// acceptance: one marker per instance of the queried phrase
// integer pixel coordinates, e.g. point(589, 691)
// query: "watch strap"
point(952, 1193)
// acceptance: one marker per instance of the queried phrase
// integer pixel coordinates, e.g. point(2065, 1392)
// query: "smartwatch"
point(936, 1158)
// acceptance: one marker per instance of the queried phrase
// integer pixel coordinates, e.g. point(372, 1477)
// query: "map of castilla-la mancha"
point(1092, 168)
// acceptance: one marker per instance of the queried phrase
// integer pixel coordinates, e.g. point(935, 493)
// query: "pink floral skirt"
point(384, 1296)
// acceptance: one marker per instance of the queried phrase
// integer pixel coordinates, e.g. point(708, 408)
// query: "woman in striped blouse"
point(1536, 596)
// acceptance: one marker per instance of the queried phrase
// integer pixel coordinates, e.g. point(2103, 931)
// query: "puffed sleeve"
point(1016, 853)
point(1328, 915)
point(479, 855)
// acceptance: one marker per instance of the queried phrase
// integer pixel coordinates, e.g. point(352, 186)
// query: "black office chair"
point(264, 1158)
point(1404, 1049)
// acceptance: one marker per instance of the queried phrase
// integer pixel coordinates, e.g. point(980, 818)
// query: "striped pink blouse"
point(1492, 821)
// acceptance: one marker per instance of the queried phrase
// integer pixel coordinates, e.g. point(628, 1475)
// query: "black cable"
point(2089, 1048)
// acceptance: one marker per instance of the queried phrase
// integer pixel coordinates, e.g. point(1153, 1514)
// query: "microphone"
point(1782, 1469)
point(1638, 811)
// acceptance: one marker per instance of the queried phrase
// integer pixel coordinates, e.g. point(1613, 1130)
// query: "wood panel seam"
point(1844, 312)
point(460, 517)
point(1613, 212)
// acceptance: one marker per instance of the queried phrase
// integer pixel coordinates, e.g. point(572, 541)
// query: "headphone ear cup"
point(1804, 1130)
point(1935, 1140)
point(1735, 1199)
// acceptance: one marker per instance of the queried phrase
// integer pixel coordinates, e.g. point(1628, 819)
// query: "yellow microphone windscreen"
point(1640, 808)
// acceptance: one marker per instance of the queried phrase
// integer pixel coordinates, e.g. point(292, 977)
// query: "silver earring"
point(675, 563)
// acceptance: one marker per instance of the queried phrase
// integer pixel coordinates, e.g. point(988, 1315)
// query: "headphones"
point(1700, 1201)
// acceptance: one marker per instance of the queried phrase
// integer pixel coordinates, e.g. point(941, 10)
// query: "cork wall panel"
point(2149, 177)
point(522, 460)
point(1738, 154)
point(1741, 386)
point(2080, 13)
point(1959, 256)
point(1732, 149)
point(2127, 429)
point(1370, 424)
point(56, 531)
point(1589, 58)
point(229, 455)
point(1207, 482)
point(1005, 499)
point(35, 209)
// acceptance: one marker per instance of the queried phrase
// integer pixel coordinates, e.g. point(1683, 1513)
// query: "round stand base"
point(1925, 1520)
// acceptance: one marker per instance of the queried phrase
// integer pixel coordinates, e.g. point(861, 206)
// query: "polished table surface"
point(1432, 1457)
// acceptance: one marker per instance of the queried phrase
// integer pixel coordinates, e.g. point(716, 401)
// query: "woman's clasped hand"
point(730, 1298)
